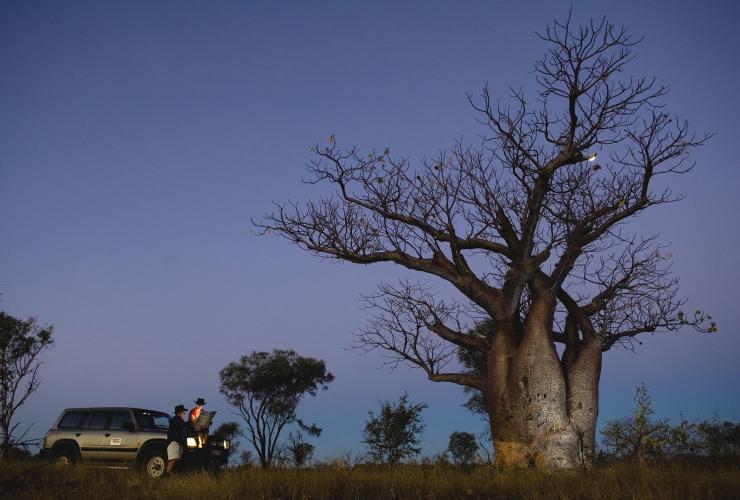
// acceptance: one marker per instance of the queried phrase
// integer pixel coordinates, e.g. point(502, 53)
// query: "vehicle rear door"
point(91, 437)
point(120, 438)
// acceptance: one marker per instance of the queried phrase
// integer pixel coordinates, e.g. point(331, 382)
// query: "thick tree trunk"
point(542, 414)
point(583, 396)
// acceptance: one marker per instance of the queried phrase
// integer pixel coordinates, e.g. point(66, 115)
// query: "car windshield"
point(149, 419)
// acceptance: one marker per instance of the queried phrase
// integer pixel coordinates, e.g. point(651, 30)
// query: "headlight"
point(191, 443)
point(226, 444)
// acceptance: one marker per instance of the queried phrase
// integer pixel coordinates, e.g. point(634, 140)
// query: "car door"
point(72, 425)
point(90, 438)
point(120, 438)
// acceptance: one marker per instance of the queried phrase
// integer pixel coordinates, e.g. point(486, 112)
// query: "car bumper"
point(206, 456)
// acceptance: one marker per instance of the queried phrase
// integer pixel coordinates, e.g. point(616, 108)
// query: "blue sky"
point(137, 139)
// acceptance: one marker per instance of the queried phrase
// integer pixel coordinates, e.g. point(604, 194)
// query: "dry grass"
point(34, 480)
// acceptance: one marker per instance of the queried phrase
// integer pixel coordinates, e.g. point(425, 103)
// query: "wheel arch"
point(150, 446)
point(66, 444)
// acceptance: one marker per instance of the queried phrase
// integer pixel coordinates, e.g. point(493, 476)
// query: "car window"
point(118, 418)
point(97, 419)
point(73, 419)
point(148, 419)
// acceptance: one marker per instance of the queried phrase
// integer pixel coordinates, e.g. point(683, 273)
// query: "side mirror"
point(128, 426)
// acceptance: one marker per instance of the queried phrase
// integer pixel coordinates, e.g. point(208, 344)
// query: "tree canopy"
point(463, 448)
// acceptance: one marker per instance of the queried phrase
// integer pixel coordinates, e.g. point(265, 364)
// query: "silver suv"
point(110, 436)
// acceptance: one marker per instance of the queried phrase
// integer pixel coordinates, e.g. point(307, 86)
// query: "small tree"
point(440, 460)
point(21, 343)
point(246, 458)
point(704, 439)
point(476, 365)
point(719, 440)
point(266, 389)
point(484, 445)
point(640, 436)
point(394, 433)
point(463, 448)
point(231, 432)
point(347, 459)
point(298, 451)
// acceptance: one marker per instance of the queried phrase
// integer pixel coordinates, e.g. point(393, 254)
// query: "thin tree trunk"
point(5, 445)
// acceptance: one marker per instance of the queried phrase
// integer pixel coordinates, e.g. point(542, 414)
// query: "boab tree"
point(530, 230)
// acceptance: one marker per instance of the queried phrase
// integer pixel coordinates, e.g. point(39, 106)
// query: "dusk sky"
point(137, 139)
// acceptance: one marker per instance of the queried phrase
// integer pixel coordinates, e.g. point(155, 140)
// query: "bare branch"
point(411, 325)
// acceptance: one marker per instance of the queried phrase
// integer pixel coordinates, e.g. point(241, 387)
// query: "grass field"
point(38, 480)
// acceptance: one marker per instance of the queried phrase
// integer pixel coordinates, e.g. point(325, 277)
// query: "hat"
point(179, 408)
point(200, 401)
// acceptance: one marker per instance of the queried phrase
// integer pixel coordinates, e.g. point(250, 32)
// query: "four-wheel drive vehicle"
point(119, 435)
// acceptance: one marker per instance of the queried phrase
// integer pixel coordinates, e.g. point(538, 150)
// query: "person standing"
point(175, 438)
point(195, 412)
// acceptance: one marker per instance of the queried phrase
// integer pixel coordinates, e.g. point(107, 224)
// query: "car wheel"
point(155, 464)
point(63, 457)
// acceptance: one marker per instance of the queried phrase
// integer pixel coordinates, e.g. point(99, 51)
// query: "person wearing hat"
point(195, 412)
point(175, 437)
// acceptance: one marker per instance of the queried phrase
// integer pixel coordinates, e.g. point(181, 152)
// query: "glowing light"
point(591, 157)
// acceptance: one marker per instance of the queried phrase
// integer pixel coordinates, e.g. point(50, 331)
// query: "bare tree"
point(21, 343)
point(530, 230)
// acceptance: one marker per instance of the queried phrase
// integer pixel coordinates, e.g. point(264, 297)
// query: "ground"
point(37, 480)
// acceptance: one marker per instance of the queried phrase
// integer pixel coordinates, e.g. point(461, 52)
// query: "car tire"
point(155, 464)
point(63, 456)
